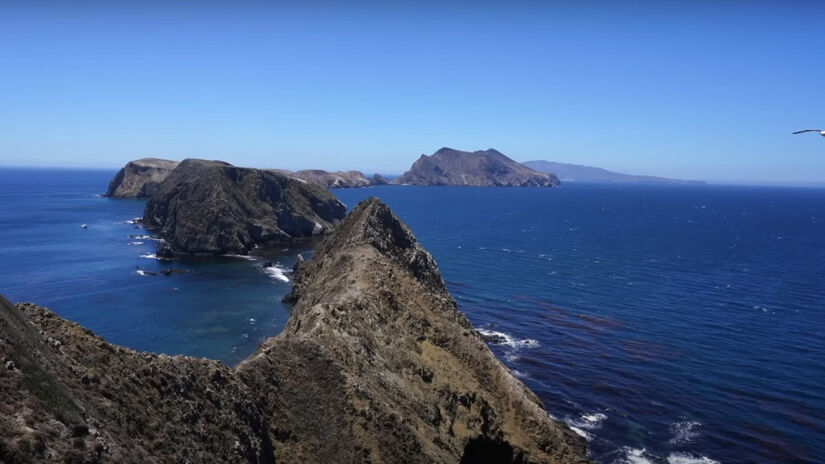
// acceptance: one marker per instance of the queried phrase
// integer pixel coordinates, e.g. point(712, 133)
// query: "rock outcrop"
point(337, 179)
point(487, 168)
point(376, 364)
point(140, 178)
point(211, 207)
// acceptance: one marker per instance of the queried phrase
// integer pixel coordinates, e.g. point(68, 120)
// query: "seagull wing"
point(807, 130)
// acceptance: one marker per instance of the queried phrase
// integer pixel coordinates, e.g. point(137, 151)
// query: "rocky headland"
point(376, 364)
point(485, 168)
point(212, 208)
point(140, 178)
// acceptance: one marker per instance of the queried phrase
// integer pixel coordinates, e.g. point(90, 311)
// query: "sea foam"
point(501, 338)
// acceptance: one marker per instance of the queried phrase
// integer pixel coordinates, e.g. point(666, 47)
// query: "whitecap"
point(687, 458)
point(580, 432)
point(135, 243)
point(149, 255)
point(139, 272)
point(501, 338)
point(634, 456)
point(134, 221)
point(684, 432)
point(277, 272)
point(143, 237)
point(252, 320)
point(246, 257)
point(588, 421)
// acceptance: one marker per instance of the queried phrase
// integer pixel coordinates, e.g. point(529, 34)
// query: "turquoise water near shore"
point(666, 323)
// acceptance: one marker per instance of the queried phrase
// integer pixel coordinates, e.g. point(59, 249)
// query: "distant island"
point(140, 178)
point(579, 173)
point(484, 168)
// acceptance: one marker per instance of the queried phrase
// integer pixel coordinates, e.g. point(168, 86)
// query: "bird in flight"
point(821, 132)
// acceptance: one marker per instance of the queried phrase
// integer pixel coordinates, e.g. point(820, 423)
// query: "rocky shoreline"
point(376, 364)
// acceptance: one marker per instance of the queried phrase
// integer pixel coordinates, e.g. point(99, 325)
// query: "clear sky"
point(705, 90)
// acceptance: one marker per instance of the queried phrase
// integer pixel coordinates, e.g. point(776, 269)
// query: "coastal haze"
point(230, 235)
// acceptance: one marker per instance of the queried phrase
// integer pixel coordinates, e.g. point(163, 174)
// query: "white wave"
point(134, 221)
point(252, 320)
point(135, 243)
point(501, 338)
point(277, 272)
point(588, 421)
point(519, 374)
point(684, 432)
point(687, 458)
point(149, 255)
point(246, 257)
point(581, 432)
point(634, 456)
point(143, 237)
point(140, 272)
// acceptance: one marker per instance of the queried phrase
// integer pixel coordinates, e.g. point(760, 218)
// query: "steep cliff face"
point(487, 168)
point(211, 207)
point(140, 178)
point(376, 364)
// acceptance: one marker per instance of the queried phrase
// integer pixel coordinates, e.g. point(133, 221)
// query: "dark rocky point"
point(376, 364)
point(140, 178)
point(211, 208)
point(487, 168)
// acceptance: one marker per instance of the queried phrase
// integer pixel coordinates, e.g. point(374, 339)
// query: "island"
point(376, 364)
point(485, 168)
point(213, 208)
point(579, 173)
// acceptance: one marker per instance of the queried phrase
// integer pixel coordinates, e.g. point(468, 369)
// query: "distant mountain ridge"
point(483, 168)
point(579, 173)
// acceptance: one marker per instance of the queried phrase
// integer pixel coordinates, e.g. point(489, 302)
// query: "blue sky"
point(705, 90)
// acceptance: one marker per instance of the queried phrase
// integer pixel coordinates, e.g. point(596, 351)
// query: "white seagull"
point(821, 132)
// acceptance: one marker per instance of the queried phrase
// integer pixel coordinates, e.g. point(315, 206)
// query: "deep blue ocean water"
point(677, 324)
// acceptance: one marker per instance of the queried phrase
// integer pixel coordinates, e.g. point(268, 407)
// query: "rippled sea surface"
point(667, 324)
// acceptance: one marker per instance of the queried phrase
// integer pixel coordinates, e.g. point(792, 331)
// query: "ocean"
point(665, 323)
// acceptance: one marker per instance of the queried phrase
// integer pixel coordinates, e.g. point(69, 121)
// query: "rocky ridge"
point(211, 208)
point(337, 179)
point(376, 364)
point(140, 178)
point(487, 168)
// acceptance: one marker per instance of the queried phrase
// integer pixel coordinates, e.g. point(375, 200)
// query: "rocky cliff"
point(376, 364)
point(212, 207)
point(140, 178)
point(485, 168)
